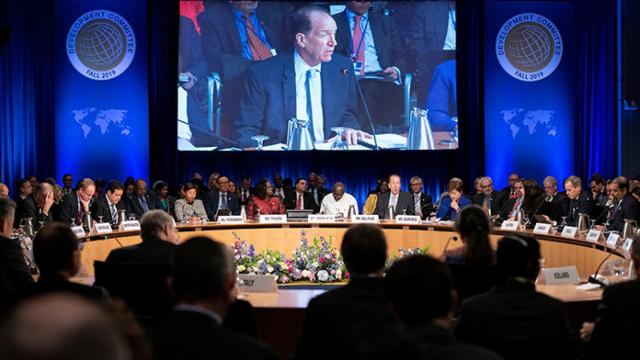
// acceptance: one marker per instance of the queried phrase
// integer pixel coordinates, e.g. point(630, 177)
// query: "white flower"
point(255, 269)
point(323, 275)
point(237, 257)
point(314, 264)
point(270, 269)
point(338, 274)
point(241, 268)
point(305, 273)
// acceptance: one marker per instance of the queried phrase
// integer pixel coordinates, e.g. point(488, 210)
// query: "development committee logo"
point(529, 47)
point(101, 44)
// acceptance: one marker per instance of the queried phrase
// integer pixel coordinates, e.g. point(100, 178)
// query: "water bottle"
point(299, 137)
point(420, 136)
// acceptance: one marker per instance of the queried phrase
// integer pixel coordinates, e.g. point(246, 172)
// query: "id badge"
point(357, 66)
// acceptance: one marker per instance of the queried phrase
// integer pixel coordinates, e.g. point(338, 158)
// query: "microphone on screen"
point(345, 72)
point(454, 238)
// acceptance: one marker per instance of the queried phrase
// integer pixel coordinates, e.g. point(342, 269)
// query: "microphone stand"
point(366, 110)
point(454, 238)
point(594, 278)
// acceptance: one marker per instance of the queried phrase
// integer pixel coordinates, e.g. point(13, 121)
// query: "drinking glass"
point(260, 139)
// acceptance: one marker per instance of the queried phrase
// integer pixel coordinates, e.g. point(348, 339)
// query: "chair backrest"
point(470, 280)
point(142, 286)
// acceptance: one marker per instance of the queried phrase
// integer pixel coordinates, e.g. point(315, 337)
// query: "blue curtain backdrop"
point(26, 91)
point(26, 107)
point(597, 124)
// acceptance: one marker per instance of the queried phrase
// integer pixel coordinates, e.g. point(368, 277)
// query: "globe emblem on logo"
point(529, 47)
point(101, 44)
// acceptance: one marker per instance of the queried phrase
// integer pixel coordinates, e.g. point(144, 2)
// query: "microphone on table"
point(594, 278)
point(345, 72)
point(454, 238)
point(547, 199)
point(608, 207)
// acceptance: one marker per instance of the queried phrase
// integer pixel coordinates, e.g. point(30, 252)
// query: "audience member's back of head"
point(202, 270)
point(473, 226)
point(518, 255)
point(154, 222)
point(419, 288)
point(61, 326)
point(364, 249)
point(55, 250)
point(377, 341)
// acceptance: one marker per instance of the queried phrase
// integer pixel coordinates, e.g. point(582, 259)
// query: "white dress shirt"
point(330, 206)
point(317, 122)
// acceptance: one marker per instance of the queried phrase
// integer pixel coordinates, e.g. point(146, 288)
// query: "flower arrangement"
point(268, 262)
point(402, 252)
point(244, 256)
point(318, 261)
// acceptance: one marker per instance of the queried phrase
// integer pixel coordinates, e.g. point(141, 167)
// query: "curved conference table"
point(287, 305)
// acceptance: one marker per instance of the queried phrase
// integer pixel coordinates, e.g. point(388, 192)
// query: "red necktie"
point(357, 40)
point(299, 202)
point(259, 50)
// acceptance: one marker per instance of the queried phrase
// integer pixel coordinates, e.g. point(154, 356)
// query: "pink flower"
point(322, 260)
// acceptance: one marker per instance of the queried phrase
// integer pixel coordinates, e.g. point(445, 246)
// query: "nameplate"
point(366, 219)
point(257, 283)
point(273, 219)
point(78, 230)
point(408, 219)
point(130, 225)
point(510, 225)
point(321, 218)
point(231, 219)
point(569, 232)
point(561, 275)
point(103, 228)
point(626, 246)
point(594, 235)
point(542, 228)
point(612, 240)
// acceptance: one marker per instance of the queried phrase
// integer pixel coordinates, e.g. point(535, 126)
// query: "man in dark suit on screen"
point(236, 34)
point(401, 201)
point(221, 199)
point(312, 84)
point(372, 40)
point(362, 300)
point(203, 282)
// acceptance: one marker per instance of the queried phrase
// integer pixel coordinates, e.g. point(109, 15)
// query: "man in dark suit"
point(221, 199)
point(311, 84)
point(401, 201)
point(203, 281)
point(316, 188)
point(422, 203)
point(56, 251)
point(24, 201)
point(231, 44)
point(40, 211)
point(618, 318)
point(556, 204)
point(513, 319)
point(432, 36)
point(364, 249)
point(489, 200)
point(159, 238)
point(14, 274)
point(372, 40)
point(626, 206)
point(580, 201)
point(108, 205)
point(193, 79)
point(299, 198)
point(78, 202)
point(141, 201)
point(420, 289)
